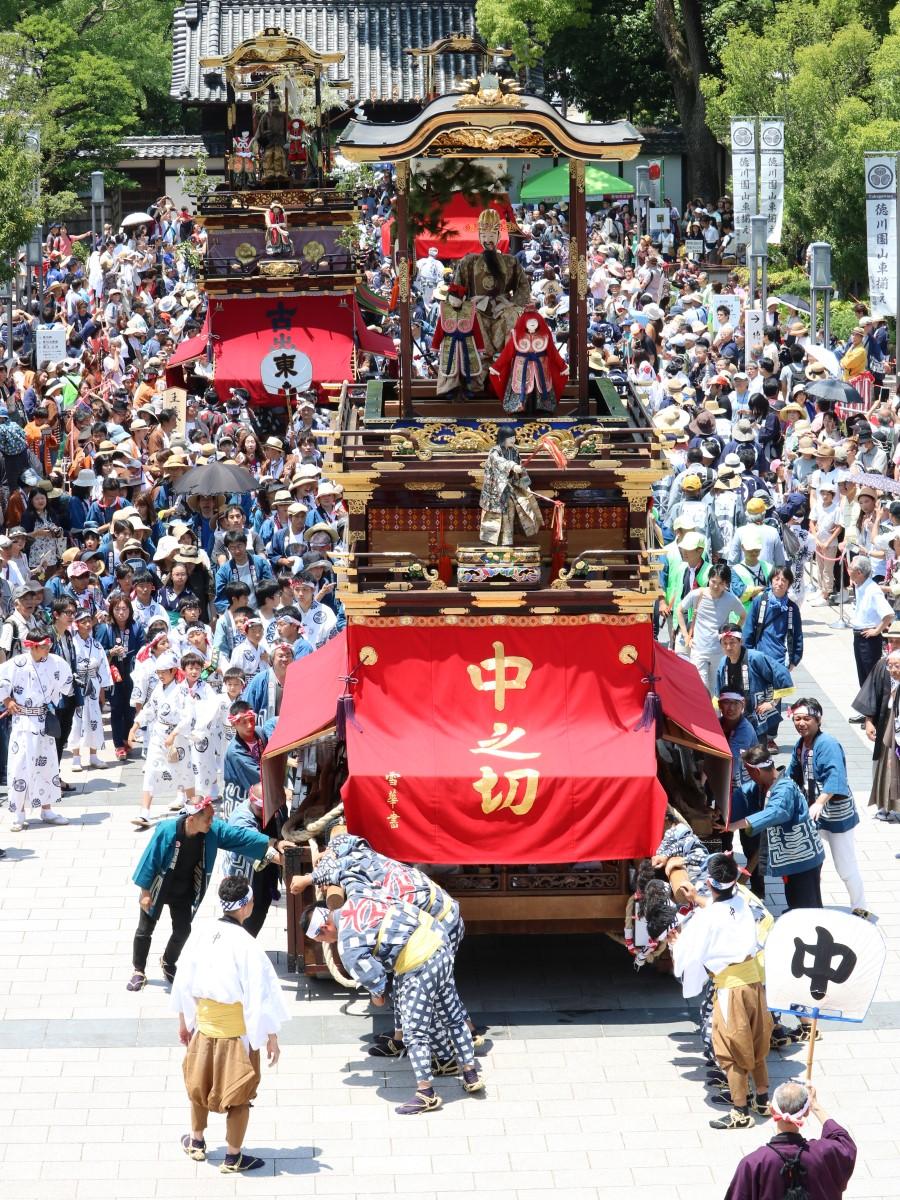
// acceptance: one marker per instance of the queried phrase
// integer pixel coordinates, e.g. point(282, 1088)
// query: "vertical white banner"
point(771, 174)
point(743, 175)
point(881, 232)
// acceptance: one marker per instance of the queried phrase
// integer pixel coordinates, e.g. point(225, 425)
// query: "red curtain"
point(502, 743)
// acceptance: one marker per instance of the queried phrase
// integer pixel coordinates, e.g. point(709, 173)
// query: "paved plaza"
point(593, 1076)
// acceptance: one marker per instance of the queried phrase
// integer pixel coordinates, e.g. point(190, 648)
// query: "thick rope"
point(328, 954)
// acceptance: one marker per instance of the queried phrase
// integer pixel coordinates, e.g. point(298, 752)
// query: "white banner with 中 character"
point(49, 345)
point(881, 232)
point(743, 175)
point(823, 964)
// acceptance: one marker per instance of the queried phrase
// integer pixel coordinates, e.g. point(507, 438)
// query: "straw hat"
point(671, 419)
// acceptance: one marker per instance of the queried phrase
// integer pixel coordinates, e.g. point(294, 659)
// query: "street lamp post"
point(641, 191)
point(35, 258)
point(98, 198)
point(759, 254)
point(820, 281)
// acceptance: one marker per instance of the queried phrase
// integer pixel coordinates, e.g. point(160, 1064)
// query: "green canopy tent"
point(554, 184)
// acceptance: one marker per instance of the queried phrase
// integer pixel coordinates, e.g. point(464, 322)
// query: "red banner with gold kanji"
point(502, 743)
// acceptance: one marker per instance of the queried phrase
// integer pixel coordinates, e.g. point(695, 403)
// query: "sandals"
point(422, 1102)
point(760, 1105)
point(137, 982)
point(805, 1032)
point(194, 1149)
point(168, 972)
point(386, 1046)
point(472, 1081)
point(241, 1162)
point(780, 1037)
point(862, 913)
point(445, 1066)
point(733, 1120)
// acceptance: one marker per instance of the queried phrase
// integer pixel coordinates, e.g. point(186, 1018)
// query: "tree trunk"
point(681, 34)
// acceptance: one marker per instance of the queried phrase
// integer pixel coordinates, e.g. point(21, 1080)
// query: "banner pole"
point(813, 1028)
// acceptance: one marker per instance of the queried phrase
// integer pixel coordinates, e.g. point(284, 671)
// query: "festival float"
point(496, 708)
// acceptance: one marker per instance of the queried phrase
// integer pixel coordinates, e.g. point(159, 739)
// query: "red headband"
point(44, 641)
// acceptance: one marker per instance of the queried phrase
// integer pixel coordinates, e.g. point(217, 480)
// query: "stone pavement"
point(593, 1078)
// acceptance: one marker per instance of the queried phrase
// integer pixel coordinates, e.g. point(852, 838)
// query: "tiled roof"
point(372, 35)
point(176, 145)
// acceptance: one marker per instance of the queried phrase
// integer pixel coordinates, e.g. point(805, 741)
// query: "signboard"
point(823, 963)
point(50, 345)
point(881, 232)
point(658, 219)
point(176, 397)
point(732, 304)
point(743, 175)
point(771, 175)
point(693, 248)
point(754, 326)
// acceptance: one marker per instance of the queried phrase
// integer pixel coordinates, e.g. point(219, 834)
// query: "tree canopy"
point(85, 73)
point(833, 70)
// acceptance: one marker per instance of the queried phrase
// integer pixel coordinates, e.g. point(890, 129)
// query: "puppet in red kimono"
point(530, 374)
point(296, 140)
point(458, 335)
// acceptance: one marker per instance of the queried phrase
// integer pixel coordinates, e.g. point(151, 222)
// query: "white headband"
point(319, 918)
point(796, 1118)
point(233, 905)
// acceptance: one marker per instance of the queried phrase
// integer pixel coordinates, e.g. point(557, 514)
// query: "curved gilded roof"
point(489, 123)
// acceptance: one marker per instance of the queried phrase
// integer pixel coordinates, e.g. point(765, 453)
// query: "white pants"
point(707, 663)
point(843, 854)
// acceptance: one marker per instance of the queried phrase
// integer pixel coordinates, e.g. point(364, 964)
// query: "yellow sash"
point(423, 943)
point(217, 1020)
point(740, 974)
point(448, 902)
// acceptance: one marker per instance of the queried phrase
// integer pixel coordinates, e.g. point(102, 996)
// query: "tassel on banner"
point(346, 710)
point(652, 715)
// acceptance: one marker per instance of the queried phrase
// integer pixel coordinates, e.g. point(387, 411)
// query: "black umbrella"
point(215, 479)
point(834, 390)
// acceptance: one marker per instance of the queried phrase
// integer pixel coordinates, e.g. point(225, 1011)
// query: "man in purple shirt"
point(820, 1168)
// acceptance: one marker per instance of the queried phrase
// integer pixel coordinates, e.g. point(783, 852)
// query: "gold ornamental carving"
point(401, 169)
point(403, 279)
point(474, 138)
point(356, 506)
point(278, 270)
point(637, 502)
point(356, 535)
point(490, 97)
point(582, 277)
point(576, 167)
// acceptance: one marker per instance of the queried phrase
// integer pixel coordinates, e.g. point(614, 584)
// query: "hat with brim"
point(824, 450)
point(806, 446)
point(816, 371)
point(693, 541)
point(743, 432)
point(714, 407)
point(322, 527)
point(671, 419)
point(792, 410)
point(165, 547)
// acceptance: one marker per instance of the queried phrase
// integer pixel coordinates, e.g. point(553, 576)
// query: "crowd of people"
point(180, 613)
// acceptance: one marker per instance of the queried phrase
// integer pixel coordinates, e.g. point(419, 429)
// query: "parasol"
point(834, 390)
point(796, 303)
point(136, 218)
point(554, 184)
point(215, 479)
point(827, 358)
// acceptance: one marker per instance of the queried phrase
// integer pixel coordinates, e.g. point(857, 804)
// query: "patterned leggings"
point(707, 1001)
point(424, 999)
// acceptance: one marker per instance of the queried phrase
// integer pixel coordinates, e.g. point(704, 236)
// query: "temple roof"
point(371, 34)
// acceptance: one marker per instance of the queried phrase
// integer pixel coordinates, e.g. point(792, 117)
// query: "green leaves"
point(830, 71)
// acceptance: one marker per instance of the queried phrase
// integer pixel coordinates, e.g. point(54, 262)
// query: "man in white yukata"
point(167, 719)
point(92, 675)
point(30, 684)
point(229, 1004)
point(318, 620)
point(722, 941)
point(207, 729)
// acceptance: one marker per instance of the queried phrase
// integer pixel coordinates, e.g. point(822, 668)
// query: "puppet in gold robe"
point(497, 283)
point(506, 495)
